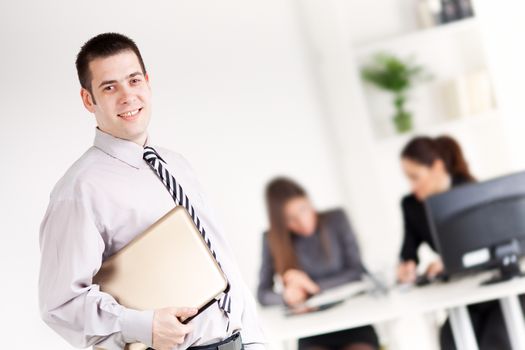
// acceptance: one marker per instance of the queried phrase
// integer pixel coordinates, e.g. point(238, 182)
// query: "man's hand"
point(168, 329)
point(299, 279)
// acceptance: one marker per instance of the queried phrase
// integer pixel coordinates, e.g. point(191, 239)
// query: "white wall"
point(233, 92)
point(503, 28)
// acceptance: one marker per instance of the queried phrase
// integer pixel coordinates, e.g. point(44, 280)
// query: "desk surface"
point(369, 309)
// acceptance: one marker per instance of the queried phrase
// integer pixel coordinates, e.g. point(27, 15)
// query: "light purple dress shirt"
point(103, 201)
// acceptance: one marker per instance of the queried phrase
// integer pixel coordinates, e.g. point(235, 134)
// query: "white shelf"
point(415, 38)
point(452, 126)
point(448, 52)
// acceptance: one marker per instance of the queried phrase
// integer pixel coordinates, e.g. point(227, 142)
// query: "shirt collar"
point(127, 151)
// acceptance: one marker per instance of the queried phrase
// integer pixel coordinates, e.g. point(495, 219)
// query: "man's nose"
point(127, 97)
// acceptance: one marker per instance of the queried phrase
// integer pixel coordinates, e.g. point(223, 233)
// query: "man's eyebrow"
point(107, 82)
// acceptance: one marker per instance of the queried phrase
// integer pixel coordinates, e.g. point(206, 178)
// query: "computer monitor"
point(480, 226)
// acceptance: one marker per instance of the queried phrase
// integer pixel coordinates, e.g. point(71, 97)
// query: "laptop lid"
point(168, 265)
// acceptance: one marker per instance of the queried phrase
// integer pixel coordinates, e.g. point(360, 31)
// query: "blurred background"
point(248, 90)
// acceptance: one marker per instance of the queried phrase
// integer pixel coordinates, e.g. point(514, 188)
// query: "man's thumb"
point(185, 312)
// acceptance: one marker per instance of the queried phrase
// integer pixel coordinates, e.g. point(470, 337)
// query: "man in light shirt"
point(108, 197)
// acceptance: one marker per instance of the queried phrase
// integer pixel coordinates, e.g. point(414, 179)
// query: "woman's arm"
point(351, 256)
point(411, 240)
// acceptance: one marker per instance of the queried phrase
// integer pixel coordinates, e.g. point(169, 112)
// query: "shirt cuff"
point(137, 326)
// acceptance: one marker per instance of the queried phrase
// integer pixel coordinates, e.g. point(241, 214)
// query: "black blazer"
point(416, 227)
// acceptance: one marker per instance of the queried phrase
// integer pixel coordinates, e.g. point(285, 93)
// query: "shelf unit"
point(450, 52)
point(416, 37)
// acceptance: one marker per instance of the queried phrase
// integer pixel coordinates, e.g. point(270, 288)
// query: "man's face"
point(122, 95)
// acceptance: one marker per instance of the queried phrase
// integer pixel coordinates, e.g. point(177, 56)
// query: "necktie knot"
point(150, 155)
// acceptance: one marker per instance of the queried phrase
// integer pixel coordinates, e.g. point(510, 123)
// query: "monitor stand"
point(508, 268)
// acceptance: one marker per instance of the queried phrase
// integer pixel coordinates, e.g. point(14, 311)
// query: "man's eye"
point(109, 88)
point(135, 81)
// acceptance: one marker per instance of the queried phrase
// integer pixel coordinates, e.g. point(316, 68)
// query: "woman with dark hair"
point(310, 251)
point(432, 166)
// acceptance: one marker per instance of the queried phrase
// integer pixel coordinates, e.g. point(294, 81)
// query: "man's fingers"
point(186, 328)
point(182, 315)
point(168, 331)
point(185, 312)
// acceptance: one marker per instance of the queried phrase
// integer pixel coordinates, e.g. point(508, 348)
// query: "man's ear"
point(146, 77)
point(87, 99)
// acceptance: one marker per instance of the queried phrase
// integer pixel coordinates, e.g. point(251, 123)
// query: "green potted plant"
point(396, 76)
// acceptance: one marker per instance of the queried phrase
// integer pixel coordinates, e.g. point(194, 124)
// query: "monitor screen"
point(476, 226)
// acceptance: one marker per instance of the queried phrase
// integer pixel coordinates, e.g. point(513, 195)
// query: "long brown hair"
point(426, 150)
point(278, 192)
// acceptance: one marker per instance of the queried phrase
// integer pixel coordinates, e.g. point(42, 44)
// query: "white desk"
point(366, 309)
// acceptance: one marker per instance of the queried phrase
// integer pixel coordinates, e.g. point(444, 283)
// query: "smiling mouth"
point(130, 114)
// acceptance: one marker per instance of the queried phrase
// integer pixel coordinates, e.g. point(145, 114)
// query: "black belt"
point(232, 343)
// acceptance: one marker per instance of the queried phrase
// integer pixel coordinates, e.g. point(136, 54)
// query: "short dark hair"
point(100, 46)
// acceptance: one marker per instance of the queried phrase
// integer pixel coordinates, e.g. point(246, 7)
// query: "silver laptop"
point(168, 265)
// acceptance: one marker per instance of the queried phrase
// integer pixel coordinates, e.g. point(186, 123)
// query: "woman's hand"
point(294, 295)
point(299, 279)
point(434, 269)
point(406, 272)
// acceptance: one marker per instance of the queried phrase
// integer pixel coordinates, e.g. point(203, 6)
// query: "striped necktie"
point(158, 165)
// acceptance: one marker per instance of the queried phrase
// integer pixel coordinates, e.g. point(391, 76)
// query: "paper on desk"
point(345, 291)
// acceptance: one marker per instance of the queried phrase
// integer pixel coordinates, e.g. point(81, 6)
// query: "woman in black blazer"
point(432, 166)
